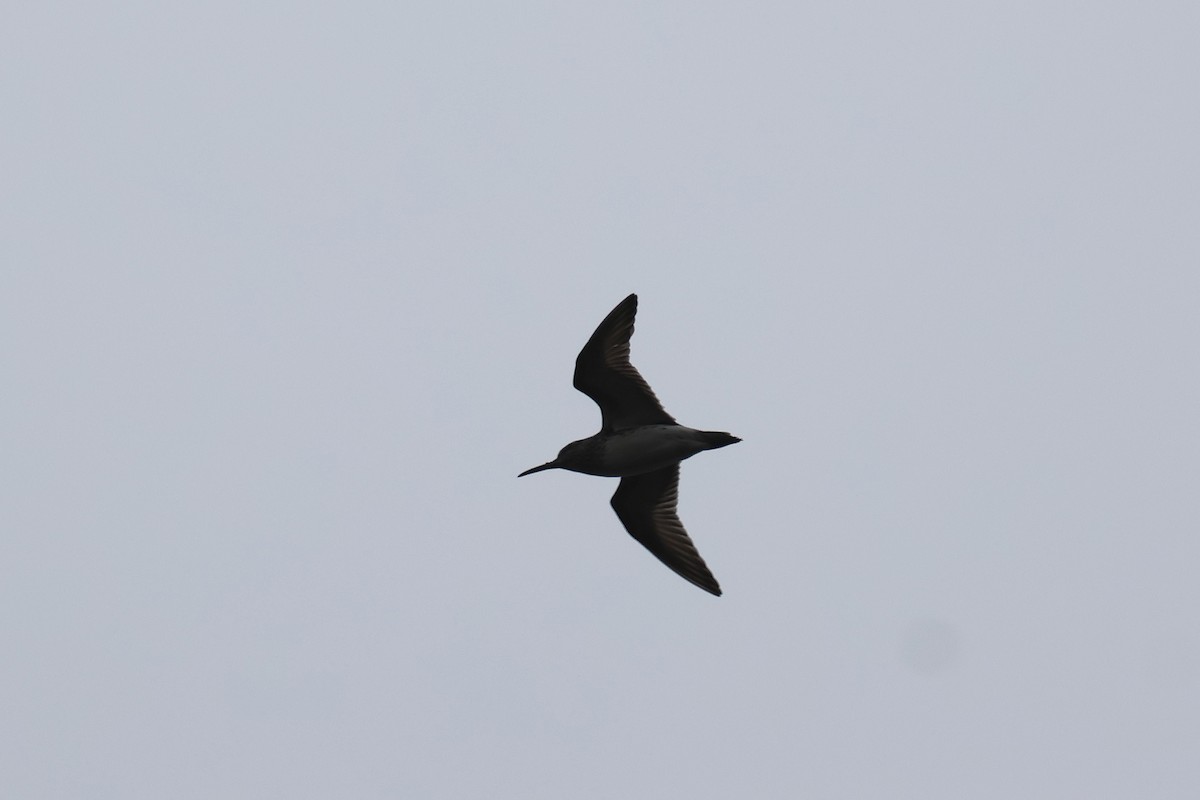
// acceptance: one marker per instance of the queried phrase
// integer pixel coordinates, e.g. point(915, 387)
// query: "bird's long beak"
point(547, 465)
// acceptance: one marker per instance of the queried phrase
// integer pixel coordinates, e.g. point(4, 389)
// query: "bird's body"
point(640, 443)
point(634, 451)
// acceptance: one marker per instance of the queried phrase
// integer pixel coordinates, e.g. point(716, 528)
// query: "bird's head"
point(569, 455)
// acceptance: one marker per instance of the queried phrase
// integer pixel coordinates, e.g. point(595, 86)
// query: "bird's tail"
point(715, 439)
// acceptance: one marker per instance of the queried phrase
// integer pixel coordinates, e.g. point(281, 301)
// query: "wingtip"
point(707, 582)
point(701, 579)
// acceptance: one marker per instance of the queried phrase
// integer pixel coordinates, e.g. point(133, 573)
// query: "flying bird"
point(640, 443)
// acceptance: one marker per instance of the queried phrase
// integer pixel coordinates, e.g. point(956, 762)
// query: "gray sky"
point(289, 295)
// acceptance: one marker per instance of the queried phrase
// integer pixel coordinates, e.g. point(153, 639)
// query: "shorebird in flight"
point(640, 443)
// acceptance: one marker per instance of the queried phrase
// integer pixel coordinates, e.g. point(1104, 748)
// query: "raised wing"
point(603, 373)
point(646, 506)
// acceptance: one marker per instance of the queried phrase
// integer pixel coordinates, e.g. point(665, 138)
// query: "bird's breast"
point(647, 448)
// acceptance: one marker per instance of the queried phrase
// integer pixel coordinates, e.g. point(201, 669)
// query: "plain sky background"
point(290, 293)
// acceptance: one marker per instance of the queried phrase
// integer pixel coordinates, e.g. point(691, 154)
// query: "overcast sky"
point(290, 293)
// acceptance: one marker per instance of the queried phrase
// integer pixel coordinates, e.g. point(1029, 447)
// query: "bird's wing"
point(603, 373)
point(646, 505)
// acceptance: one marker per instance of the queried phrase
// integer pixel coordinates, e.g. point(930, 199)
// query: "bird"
point(640, 443)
